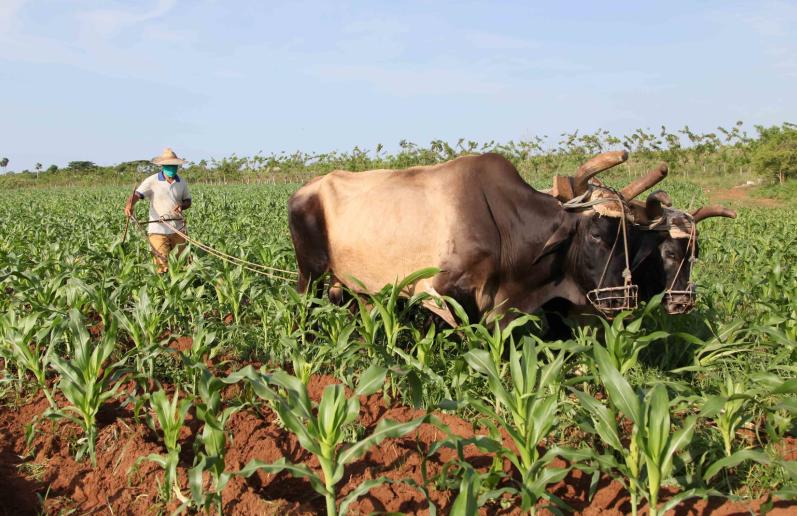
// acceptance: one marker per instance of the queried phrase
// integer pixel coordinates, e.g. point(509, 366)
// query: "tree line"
point(770, 152)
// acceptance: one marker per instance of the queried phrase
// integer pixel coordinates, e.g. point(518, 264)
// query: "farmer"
point(168, 196)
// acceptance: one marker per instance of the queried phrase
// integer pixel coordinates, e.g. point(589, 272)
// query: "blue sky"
point(112, 81)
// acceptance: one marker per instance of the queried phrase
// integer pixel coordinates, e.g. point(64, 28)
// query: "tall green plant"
point(169, 416)
point(646, 455)
point(321, 431)
point(88, 380)
point(29, 347)
point(527, 412)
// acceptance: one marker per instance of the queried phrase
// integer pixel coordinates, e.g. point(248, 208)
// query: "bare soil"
point(740, 196)
point(48, 470)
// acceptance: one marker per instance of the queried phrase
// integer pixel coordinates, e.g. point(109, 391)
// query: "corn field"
point(215, 389)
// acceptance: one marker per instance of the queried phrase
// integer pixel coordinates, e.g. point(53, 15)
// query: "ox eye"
point(670, 255)
point(595, 236)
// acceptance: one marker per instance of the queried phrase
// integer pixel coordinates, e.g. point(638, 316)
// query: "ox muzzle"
point(680, 301)
point(610, 301)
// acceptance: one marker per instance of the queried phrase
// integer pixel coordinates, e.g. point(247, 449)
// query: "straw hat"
point(167, 157)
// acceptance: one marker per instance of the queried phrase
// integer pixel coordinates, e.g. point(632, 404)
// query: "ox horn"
point(712, 211)
point(654, 203)
point(596, 165)
point(643, 183)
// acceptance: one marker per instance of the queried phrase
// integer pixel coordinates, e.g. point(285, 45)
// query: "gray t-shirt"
point(163, 197)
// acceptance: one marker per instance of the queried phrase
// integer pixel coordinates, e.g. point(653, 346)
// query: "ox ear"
point(559, 237)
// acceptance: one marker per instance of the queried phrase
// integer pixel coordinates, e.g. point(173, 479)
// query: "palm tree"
point(4, 163)
point(38, 167)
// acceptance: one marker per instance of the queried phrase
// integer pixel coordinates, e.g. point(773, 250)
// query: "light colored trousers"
point(162, 245)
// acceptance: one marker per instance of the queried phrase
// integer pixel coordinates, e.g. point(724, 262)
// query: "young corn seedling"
point(729, 410)
point(384, 315)
point(21, 344)
point(625, 342)
point(179, 296)
point(144, 326)
point(169, 417)
point(88, 380)
point(204, 346)
point(321, 430)
point(527, 411)
point(211, 445)
point(494, 341)
point(648, 455)
point(231, 286)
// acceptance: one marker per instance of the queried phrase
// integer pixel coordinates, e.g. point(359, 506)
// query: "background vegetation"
point(726, 156)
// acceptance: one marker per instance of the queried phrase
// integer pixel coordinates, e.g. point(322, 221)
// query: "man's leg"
point(177, 242)
point(160, 251)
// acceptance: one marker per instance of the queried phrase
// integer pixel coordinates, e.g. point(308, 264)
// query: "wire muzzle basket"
point(680, 301)
point(612, 300)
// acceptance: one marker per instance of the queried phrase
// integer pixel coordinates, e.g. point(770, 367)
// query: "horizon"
point(111, 82)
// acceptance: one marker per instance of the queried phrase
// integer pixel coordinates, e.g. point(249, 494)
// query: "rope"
point(609, 260)
point(691, 246)
point(256, 268)
point(579, 202)
point(627, 270)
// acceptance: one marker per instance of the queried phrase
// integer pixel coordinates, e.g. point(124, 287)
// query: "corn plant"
point(493, 339)
point(321, 431)
point(143, 326)
point(384, 313)
point(383, 316)
point(527, 411)
point(646, 456)
point(179, 296)
point(88, 380)
point(204, 346)
point(232, 286)
point(23, 344)
point(211, 445)
point(729, 410)
point(624, 341)
point(170, 418)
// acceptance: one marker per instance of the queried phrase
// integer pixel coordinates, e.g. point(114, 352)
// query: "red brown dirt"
point(114, 483)
point(740, 196)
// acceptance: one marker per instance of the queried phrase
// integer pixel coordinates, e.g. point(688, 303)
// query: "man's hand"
point(184, 205)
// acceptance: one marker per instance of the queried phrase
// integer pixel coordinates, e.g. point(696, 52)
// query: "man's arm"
point(131, 202)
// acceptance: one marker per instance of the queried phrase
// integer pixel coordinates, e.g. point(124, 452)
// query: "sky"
point(111, 80)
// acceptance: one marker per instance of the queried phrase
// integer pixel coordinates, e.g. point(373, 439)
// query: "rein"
point(257, 268)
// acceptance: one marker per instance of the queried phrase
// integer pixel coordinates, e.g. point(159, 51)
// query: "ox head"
point(598, 256)
point(600, 264)
point(665, 247)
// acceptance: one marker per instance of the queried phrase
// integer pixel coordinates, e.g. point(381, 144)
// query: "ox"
point(498, 243)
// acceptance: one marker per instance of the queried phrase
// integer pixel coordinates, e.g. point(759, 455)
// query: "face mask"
point(170, 171)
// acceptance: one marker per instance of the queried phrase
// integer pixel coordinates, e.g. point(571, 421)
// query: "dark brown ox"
point(665, 250)
point(663, 244)
point(498, 243)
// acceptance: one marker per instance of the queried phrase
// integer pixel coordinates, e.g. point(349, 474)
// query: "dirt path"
point(740, 196)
